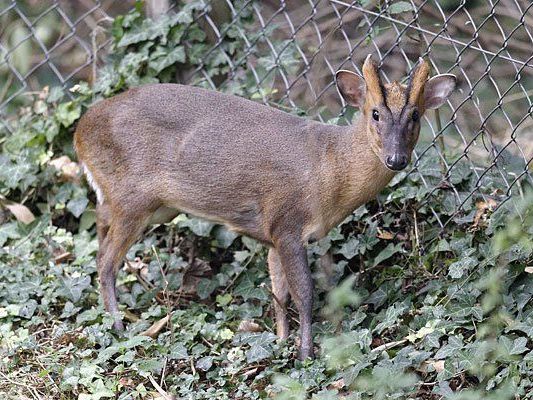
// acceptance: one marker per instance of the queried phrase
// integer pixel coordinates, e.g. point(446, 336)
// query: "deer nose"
point(396, 162)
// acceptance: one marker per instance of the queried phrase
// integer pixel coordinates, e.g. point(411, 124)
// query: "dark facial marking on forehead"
point(383, 93)
point(396, 99)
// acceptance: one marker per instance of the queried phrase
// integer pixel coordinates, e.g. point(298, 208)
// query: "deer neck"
point(351, 174)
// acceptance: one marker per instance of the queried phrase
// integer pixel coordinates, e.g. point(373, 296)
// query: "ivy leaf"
point(247, 288)
point(519, 346)
point(78, 205)
point(350, 248)
point(68, 113)
point(205, 287)
point(148, 30)
point(198, 226)
point(204, 363)
point(387, 253)
point(253, 245)
point(454, 344)
point(260, 345)
point(391, 316)
point(9, 231)
point(400, 7)
point(28, 309)
point(178, 352)
point(378, 297)
point(160, 63)
point(98, 391)
point(149, 366)
point(224, 236)
point(457, 269)
point(72, 288)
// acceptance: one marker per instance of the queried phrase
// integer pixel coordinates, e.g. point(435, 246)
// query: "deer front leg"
point(280, 291)
point(293, 258)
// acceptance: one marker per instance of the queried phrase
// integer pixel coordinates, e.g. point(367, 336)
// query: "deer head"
point(391, 112)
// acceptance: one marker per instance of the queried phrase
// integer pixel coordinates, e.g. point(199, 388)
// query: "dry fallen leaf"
point(129, 316)
point(134, 265)
point(386, 235)
point(156, 327)
point(193, 275)
point(43, 94)
point(250, 372)
point(68, 169)
point(63, 256)
point(338, 384)
point(482, 208)
point(21, 212)
point(438, 366)
point(126, 382)
point(249, 326)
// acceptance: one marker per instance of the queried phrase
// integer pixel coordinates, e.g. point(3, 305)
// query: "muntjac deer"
point(275, 177)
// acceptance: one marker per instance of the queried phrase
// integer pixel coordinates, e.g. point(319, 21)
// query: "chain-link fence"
point(486, 127)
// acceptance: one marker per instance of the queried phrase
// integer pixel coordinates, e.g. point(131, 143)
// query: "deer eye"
point(415, 116)
point(375, 115)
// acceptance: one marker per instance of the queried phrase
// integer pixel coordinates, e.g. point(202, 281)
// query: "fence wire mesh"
point(486, 127)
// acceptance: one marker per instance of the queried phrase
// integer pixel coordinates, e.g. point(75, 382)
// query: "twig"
point(232, 282)
point(166, 296)
point(24, 385)
point(387, 346)
point(159, 389)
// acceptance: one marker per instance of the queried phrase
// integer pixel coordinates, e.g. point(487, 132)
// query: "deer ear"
point(417, 81)
point(375, 89)
point(438, 89)
point(352, 87)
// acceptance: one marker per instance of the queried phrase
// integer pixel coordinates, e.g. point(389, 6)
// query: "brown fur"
point(281, 179)
point(417, 83)
point(374, 86)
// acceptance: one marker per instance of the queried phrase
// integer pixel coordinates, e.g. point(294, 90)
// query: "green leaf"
point(72, 288)
point(387, 253)
point(519, 346)
point(205, 287)
point(98, 391)
point(260, 345)
point(8, 231)
point(457, 269)
point(391, 316)
point(148, 30)
point(67, 113)
point(224, 300)
point(173, 57)
point(149, 366)
point(350, 248)
point(199, 226)
point(178, 352)
point(400, 7)
point(204, 363)
point(78, 205)
point(247, 288)
point(224, 236)
point(455, 343)
point(253, 245)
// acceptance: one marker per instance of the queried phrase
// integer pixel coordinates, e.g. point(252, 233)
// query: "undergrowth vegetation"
point(404, 308)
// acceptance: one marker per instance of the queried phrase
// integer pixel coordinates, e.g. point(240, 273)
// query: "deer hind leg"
point(103, 221)
point(123, 228)
point(280, 291)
